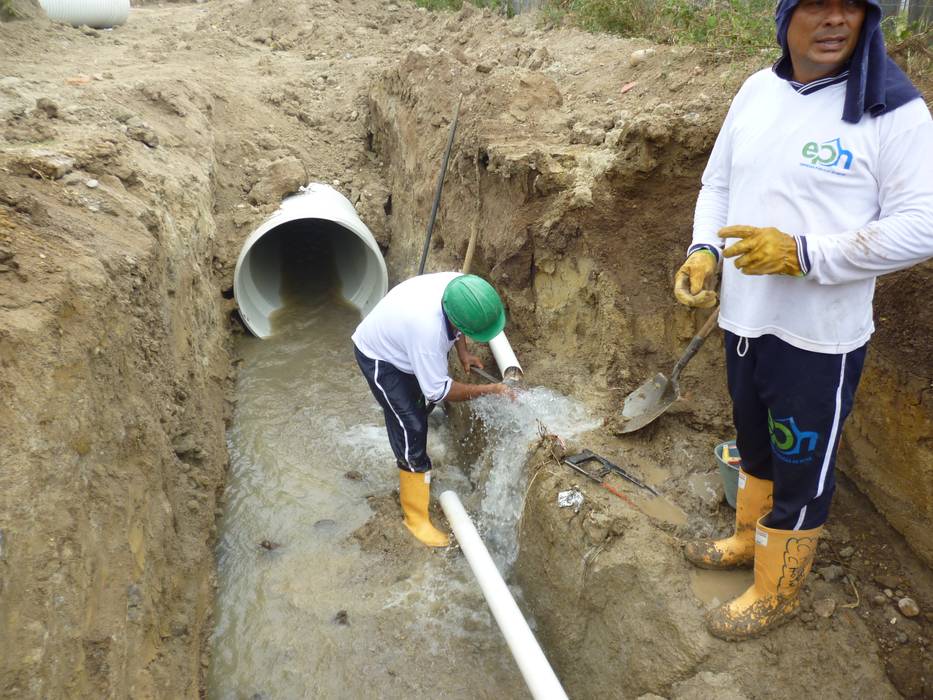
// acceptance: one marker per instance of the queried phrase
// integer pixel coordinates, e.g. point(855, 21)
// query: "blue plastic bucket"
point(728, 472)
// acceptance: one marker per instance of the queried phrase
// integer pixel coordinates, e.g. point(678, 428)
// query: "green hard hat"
point(473, 306)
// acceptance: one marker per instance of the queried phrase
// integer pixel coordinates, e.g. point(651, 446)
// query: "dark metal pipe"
point(439, 188)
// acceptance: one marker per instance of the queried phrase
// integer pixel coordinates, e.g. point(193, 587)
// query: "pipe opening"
point(314, 243)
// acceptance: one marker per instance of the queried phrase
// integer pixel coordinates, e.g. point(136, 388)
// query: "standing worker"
point(401, 348)
point(823, 171)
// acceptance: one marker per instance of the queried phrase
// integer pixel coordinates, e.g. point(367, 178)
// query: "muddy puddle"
point(303, 609)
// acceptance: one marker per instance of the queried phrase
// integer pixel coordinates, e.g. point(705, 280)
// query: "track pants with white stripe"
point(405, 410)
point(789, 406)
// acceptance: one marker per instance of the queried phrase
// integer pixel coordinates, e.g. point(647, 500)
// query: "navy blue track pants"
point(789, 406)
point(405, 411)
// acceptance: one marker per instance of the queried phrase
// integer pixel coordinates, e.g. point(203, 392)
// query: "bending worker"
point(821, 179)
point(401, 348)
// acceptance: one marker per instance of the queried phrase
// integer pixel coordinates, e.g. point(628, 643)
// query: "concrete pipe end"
point(317, 211)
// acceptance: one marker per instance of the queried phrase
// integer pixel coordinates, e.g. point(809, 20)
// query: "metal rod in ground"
point(439, 188)
point(537, 672)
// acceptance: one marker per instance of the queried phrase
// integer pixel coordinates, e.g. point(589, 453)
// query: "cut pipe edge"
point(505, 358)
point(535, 669)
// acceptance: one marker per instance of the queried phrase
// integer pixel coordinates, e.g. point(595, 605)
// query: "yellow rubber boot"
point(415, 495)
point(752, 502)
point(782, 561)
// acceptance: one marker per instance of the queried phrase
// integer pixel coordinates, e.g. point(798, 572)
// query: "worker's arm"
point(903, 234)
point(712, 207)
point(467, 359)
point(465, 392)
point(695, 281)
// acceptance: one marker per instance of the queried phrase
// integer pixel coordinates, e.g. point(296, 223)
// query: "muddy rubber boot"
point(752, 502)
point(782, 562)
point(415, 495)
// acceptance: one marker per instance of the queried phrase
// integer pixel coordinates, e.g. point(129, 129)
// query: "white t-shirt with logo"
point(858, 197)
point(407, 329)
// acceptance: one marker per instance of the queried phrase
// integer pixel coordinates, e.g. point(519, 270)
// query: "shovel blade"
point(648, 402)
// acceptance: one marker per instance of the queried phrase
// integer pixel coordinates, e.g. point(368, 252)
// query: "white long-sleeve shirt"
point(857, 197)
point(407, 329)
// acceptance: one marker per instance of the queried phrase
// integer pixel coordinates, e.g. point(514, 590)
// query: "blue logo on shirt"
point(829, 156)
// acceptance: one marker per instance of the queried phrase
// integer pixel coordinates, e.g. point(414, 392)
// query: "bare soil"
point(134, 162)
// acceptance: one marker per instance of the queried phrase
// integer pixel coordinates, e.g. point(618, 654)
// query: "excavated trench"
point(115, 359)
point(588, 577)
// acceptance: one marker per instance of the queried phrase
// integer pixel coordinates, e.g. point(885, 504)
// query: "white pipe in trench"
point(505, 357)
point(539, 676)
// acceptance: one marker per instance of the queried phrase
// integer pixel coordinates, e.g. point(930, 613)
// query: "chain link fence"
point(920, 11)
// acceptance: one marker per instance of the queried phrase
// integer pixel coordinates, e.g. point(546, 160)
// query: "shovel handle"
point(695, 344)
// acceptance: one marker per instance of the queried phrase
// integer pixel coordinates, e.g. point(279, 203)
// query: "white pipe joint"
point(537, 672)
point(505, 358)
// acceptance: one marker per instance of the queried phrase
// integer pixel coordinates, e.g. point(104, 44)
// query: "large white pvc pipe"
point(537, 672)
point(322, 211)
point(505, 357)
point(94, 13)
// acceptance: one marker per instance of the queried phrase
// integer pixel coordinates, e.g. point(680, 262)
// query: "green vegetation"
point(7, 11)
point(746, 25)
point(898, 28)
point(498, 5)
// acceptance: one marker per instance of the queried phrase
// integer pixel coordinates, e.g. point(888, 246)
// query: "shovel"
point(654, 397)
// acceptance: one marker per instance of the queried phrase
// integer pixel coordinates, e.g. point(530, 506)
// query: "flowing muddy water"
point(303, 610)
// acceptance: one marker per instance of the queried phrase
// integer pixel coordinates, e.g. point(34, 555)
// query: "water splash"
point(511, 428)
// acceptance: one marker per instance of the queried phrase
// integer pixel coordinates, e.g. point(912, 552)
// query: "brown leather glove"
point(762, 251)
point(694, 279)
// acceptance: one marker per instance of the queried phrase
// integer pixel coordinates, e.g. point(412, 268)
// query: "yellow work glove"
point(762, 251)
point(694, 279)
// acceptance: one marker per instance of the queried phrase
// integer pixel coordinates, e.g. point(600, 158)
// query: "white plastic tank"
point(318, 210)
point(100, 14)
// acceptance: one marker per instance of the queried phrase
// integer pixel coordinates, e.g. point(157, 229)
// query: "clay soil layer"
point(134, 162)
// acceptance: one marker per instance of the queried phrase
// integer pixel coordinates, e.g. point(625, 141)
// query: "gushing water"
point(511, 428)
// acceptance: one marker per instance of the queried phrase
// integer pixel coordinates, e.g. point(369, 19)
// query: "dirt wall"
point(114, 377)
point(888, 443)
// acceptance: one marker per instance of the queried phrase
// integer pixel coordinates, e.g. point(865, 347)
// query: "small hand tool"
point(599, 481)
point(485, 375)
point(607, 466)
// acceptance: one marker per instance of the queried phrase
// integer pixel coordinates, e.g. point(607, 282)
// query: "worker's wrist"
point(803, 256)
point(704, 248)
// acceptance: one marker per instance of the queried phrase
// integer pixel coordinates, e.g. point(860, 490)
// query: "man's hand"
point(504, 389)
point(468, 360)
point(694, 278)
point(762, 251)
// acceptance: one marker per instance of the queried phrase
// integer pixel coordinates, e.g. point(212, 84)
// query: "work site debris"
point(908, 607)
point(138, 130)
point(825, 607)
point(279, 178)
point(44, 104)
point(831, 573)
point(570, 499)
point(887, 581)
point(43, 163)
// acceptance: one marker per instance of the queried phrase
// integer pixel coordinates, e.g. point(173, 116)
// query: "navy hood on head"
point(876, 84)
